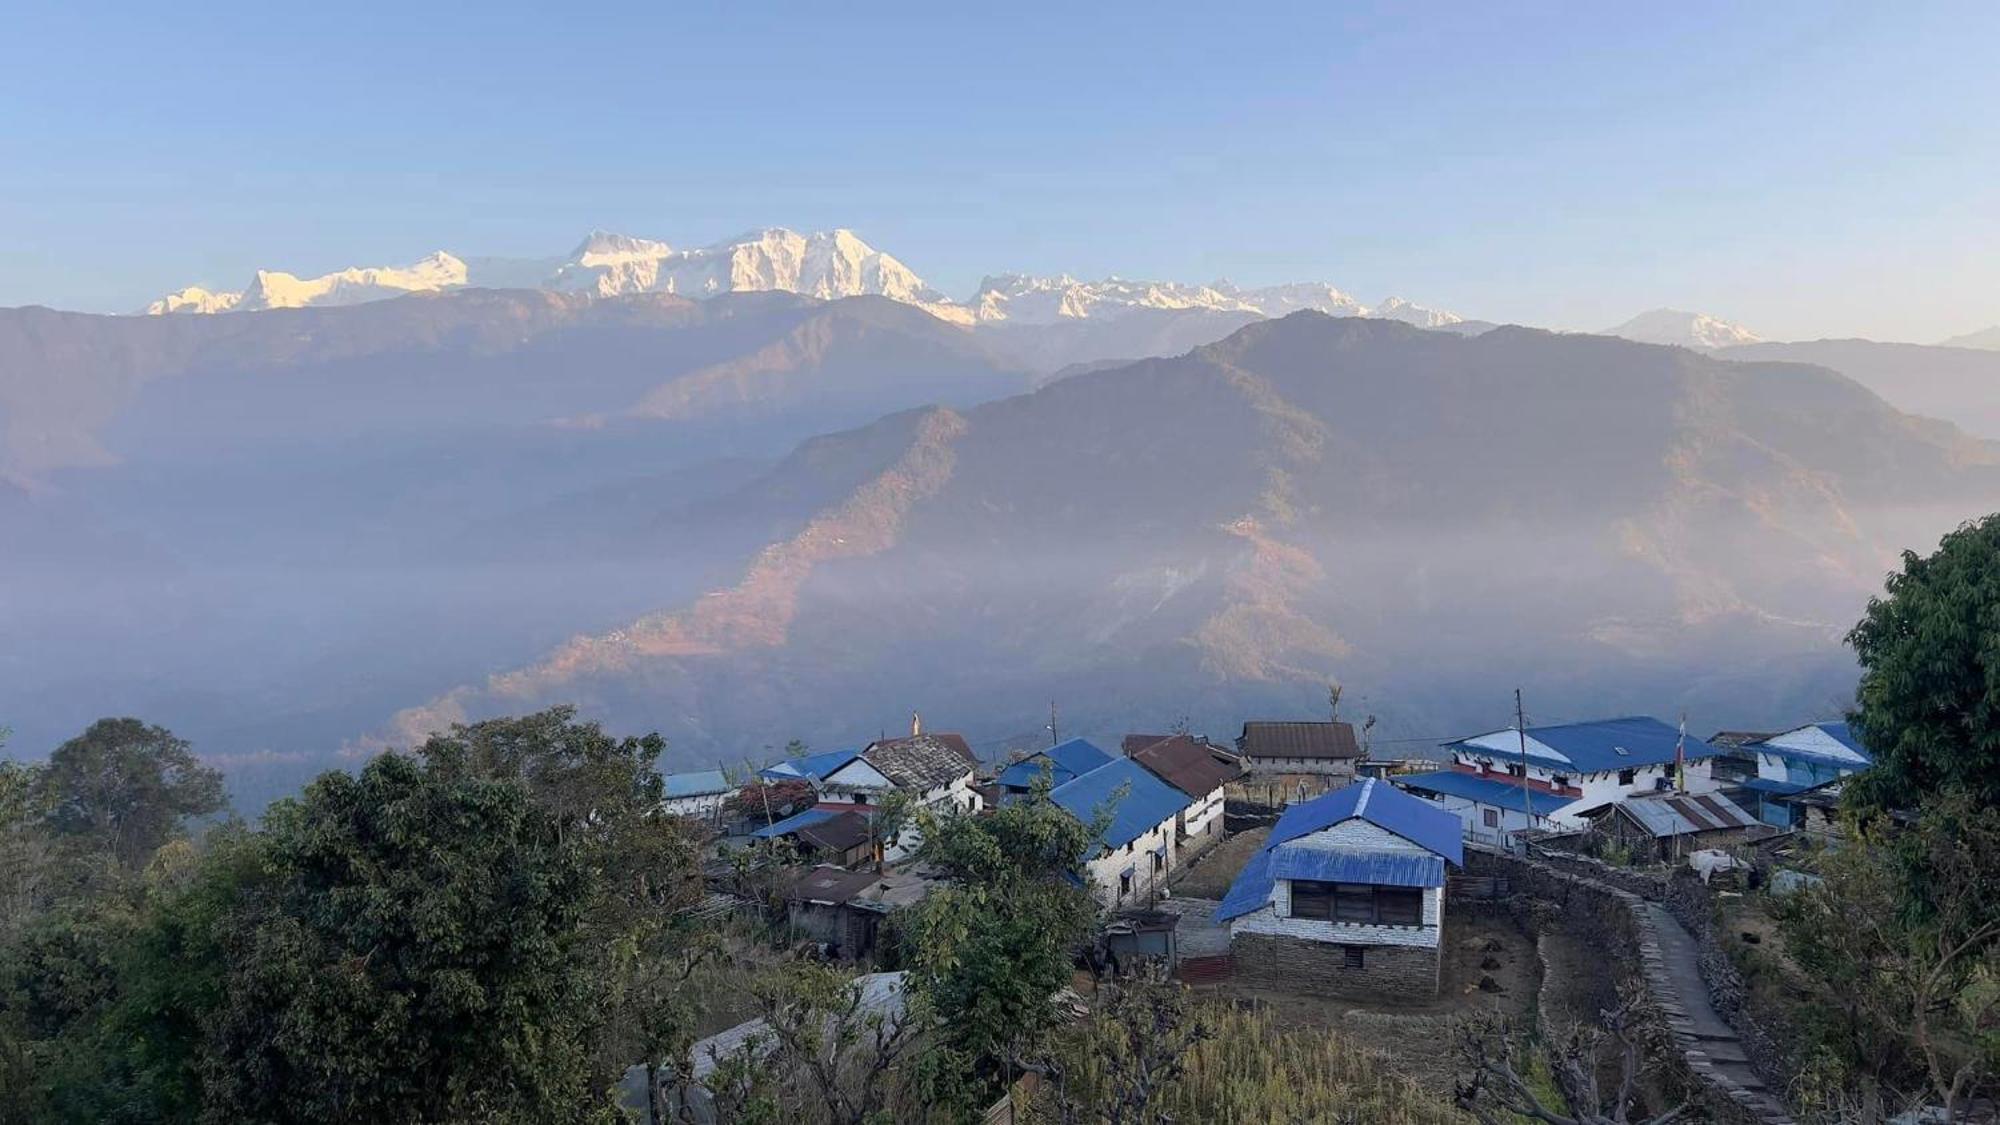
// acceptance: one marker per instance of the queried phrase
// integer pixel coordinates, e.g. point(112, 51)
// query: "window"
point(1559, 781)
point(1357, 903)
point(1159, 861)
point(1124, 884)
point(1627, 777)
point(1515, 769)
point(1351, 956)
point(1491, 817)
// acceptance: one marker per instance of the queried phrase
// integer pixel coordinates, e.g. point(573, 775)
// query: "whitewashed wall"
point(1356, 836)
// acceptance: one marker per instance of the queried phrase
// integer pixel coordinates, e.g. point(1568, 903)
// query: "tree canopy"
point(1929, 700)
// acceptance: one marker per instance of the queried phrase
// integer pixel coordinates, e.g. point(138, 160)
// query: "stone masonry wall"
point(1319, 968)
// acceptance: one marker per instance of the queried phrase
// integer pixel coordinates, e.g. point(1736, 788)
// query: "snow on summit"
point(823, 264)
point(1685, 329)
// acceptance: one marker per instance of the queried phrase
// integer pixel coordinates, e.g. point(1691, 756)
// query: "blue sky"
point(1808, 169)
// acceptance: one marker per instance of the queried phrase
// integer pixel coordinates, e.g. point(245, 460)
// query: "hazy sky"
point(1809, 169)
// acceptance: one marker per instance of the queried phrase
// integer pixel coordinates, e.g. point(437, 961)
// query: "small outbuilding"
point(1668, 824)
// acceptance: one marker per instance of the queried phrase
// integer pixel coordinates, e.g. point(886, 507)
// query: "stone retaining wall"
point(1320, 968)
point(1693, 905)
point(1606, 914)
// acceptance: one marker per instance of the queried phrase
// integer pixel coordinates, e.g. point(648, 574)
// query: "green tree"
point(407, 952)
point(126, 787)
point(1929, 700)
point(991, 950)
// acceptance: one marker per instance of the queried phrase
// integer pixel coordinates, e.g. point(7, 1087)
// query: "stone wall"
point(1693, 905)
point(1320, 968)
point(1603, 909)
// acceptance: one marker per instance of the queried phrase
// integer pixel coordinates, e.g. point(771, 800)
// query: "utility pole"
point(763, 789)
point(1053, 737)
point(1521, 729)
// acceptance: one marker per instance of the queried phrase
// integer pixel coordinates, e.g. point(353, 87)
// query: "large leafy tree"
point(407, 950)
point(991, 950)
point(126, 787)
point(1929, 701)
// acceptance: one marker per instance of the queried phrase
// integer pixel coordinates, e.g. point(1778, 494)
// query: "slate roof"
point(1299, 740)
point(1375, 801)
point(921, 761)
point(1594, 747)
point(1066, 762)
point(1681, 814)
point(812, 767)
point(1485, 790)
point(699, 783)
point(1147, 803)
point(1189, 766)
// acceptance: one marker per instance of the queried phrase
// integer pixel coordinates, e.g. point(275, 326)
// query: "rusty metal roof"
point(1299, 740)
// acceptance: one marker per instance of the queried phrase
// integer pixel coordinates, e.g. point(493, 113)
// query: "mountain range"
point(826, 495)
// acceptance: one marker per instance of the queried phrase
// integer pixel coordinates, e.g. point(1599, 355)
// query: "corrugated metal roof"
point(1771, 785)
point(1065, 762)
point(1680, 814)
point(1832, 743)
point(1250, 891)
point(1383, 805)
point(1194, 768)
point(1147, 801)
point(1593, 747)
point(1388, 869)
point(1299, 740)
point(793, 823)
point(698, 783)
point(1485, 790)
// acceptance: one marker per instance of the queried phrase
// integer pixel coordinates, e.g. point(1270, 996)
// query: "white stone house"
point(1347, 896)
point(1201, 771)
point(934, 770)
point(1501, 782)
point(1141, 843)
point(699, 794)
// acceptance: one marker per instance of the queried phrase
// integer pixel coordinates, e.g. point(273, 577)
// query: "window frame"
point(1356, 904)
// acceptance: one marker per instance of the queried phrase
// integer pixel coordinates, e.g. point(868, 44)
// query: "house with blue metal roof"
point(1062, 763)
point(1795, 761)
point(1511, 780)
point(811, 767)
point(1346, 898)
point(698, 793)
point(1138, 847)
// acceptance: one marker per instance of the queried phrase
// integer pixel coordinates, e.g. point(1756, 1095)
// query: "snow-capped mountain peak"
point(1685, 329)
point(275, 289)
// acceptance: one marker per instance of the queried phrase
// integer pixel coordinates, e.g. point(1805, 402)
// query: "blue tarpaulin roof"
point(1147, 803)
point(794, 822)
point(1414, 819)
point(813, 767)
point(1485, 790)
point(1385, 868)
point(699, 783)
point(1065, 762)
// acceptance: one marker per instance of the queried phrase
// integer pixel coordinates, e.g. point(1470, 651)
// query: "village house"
point(699, 795)
point(1502, 783)
point(843, 837)
point(1138, 847)
point(1669, 825)
point(1347, 896)
point(811, 768)
point(1788, 764)
point(1283, 749)
point(845, 909)
point(934, 771)
point(1202, 772)
point(1061, 763)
